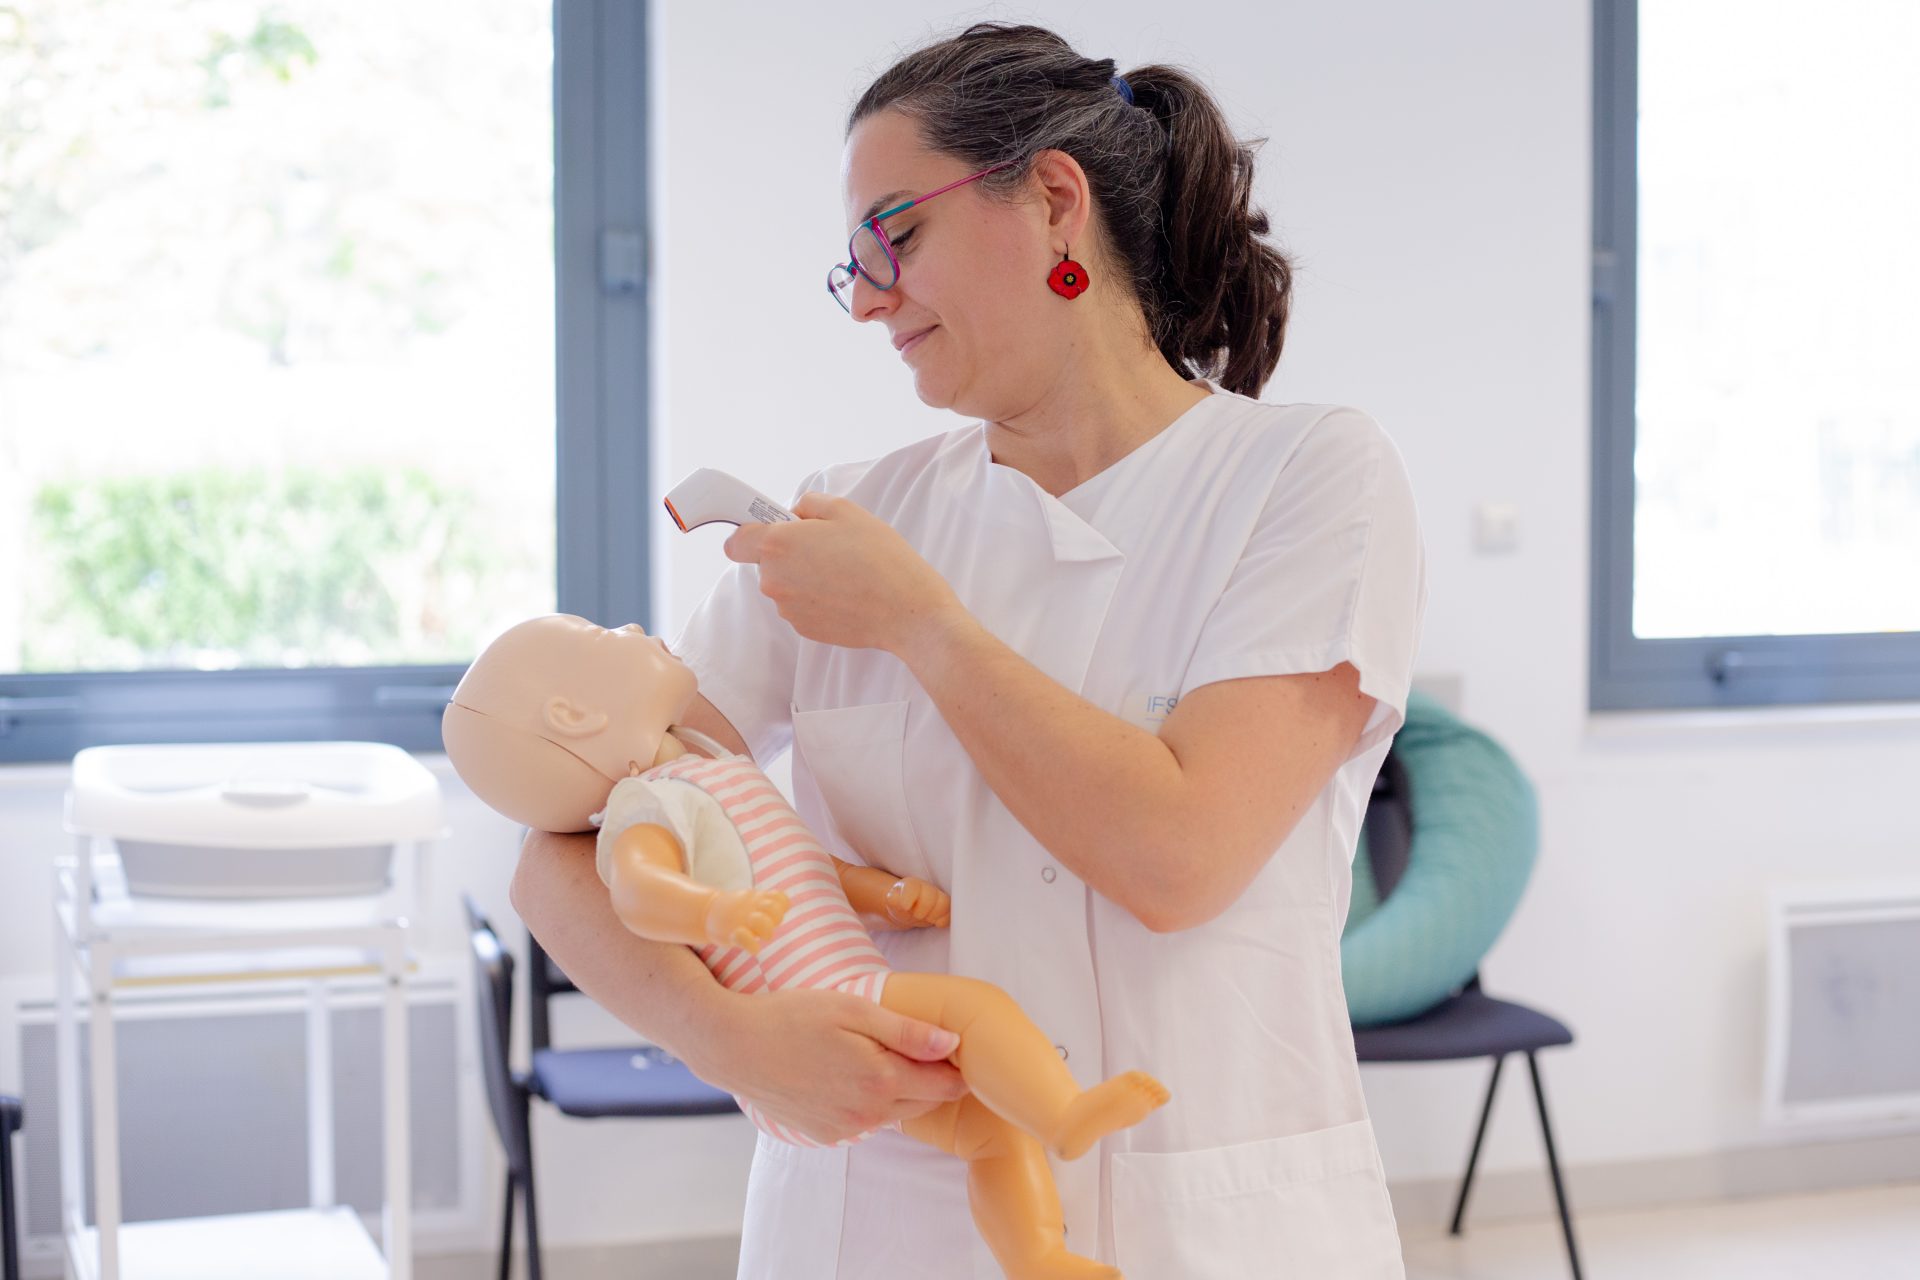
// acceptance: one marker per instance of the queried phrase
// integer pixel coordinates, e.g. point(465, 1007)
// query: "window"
point(281, 293)
point(1756, 398)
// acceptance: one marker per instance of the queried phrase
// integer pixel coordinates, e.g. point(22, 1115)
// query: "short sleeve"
point(634, 801)
point(716, 855)
point(744, 654)
point(1334, 571)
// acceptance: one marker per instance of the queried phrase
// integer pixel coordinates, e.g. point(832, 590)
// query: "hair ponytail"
point(1225, 291)
point(1171, 184)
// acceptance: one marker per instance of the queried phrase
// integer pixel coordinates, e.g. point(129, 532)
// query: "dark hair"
point(1171, 184)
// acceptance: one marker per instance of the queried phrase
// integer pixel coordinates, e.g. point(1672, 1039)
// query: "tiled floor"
point(1841, 1235)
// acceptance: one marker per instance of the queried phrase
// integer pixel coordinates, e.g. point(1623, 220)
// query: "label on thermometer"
point(708, 497)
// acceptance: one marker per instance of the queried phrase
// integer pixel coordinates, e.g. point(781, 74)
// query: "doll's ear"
point(574, 722)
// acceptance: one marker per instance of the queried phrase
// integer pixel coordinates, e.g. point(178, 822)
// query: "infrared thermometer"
point(714, 497)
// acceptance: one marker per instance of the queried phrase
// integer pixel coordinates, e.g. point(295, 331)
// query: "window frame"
point(1626, 672)
point(602, 472)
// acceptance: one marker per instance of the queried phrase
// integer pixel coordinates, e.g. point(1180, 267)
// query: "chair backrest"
point(545, 979)
point(1389, 825)
point(493, 999)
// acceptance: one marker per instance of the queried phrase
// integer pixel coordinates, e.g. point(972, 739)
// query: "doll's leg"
point(1010, 1189)
point(1013, 1068)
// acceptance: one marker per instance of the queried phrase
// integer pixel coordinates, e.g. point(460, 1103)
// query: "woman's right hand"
point(827, 1064)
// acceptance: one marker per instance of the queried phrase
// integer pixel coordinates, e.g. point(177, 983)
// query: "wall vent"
point(1843, 1007)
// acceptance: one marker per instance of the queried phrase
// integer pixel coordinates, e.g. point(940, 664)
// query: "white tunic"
point(1246, 539)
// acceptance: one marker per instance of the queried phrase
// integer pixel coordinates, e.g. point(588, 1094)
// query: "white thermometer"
point(714, 497)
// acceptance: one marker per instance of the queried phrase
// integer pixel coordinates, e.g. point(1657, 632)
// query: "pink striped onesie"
point(820, 942)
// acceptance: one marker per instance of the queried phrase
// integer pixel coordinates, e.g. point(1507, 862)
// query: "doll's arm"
point(655, 897)
point(898, 903)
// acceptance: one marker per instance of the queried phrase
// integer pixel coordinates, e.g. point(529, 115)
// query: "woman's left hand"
point(840, 575)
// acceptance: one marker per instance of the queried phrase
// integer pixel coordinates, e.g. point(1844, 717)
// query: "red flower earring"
point(1068, 279)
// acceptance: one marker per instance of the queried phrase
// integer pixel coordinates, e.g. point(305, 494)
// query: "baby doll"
point(560, 722)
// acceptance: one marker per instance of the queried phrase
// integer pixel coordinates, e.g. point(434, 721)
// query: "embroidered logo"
point(1150, 710)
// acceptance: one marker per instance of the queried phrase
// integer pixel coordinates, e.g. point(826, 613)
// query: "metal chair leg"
point(526, 1188)
point(9, 1244)
point(533, 1226)
point(506, 1230)
point(1479, 1136)
point(1553, 1165)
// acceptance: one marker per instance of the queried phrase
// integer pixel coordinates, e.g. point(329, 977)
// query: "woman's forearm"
point(1106, 798)
point(660, 989)
point(828, 1064)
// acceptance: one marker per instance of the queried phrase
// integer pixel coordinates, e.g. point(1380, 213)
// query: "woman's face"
point(973, 275)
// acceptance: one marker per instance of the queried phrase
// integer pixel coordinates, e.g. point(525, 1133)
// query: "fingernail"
point(945, 1042)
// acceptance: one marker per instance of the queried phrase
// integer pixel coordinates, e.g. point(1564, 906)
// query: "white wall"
point(1428, 164)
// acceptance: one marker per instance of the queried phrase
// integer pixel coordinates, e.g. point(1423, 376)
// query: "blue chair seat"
point(632, 1081)
point(1471, 1024)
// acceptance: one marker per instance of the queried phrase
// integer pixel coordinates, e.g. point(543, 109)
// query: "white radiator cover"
point(213, 1095)
point(1843, 1005)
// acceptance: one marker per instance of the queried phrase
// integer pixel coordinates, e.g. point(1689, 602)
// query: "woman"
point(1115, 665)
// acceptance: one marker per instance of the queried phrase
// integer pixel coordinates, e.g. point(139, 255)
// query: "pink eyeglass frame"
point(852, 266)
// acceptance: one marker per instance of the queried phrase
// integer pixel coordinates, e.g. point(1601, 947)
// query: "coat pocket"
point(1310, 1205)
point(853, 757)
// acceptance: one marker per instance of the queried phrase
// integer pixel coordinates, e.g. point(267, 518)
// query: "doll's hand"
point(745, 918)
point(912, 903)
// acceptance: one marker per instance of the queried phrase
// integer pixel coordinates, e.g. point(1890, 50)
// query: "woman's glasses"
point(870, 253)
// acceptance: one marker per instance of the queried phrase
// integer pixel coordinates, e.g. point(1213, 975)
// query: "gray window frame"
point(601, 264)
point(1626, 672)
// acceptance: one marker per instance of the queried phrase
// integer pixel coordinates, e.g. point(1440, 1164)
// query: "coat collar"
point(1010, 494)
point(1000, 495)
point(1074, 540)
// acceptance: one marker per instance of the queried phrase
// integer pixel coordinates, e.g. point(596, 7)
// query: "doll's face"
point(553, 694)
point(614, 693)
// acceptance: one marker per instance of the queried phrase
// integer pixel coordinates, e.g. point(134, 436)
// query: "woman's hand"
point(840, 575)
point(828, 1064)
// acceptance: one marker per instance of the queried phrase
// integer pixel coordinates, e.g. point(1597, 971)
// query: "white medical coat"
point(1246, 539)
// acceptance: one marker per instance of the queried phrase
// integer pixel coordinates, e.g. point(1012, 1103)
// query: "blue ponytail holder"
point(1125, 90)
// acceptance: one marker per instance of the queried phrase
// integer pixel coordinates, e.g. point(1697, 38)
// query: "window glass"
point(1777, 461)
point(276, 331)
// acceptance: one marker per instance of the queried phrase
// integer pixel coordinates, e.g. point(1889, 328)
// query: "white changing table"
point(265, 814)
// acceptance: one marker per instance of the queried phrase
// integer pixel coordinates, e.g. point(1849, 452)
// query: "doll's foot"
point(1114, 1104)
point(1061, 1265)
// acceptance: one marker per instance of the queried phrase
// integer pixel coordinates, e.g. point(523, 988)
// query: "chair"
point(545, 980)
point(1468, 1023)
point(638, 1081)
point(9, 1242)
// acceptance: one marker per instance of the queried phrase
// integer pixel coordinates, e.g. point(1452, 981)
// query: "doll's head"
point(557, 710)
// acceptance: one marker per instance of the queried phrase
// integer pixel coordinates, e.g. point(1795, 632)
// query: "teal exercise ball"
point(1476, 828)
